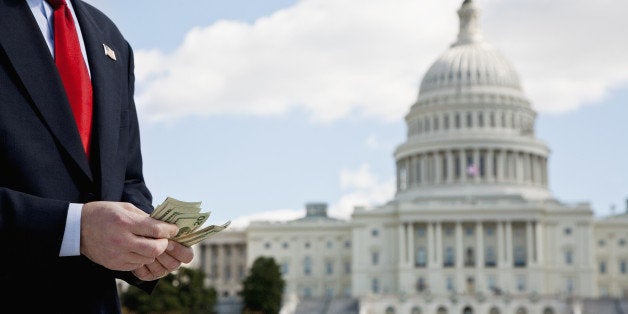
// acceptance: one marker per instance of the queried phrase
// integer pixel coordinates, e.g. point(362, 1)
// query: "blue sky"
point(257, 107)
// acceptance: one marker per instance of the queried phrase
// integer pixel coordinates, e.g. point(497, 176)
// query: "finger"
point(143, 273)
point(168, 262)
point(153, 228)
point(157, 270)
point(180, 252)
point(147, 247)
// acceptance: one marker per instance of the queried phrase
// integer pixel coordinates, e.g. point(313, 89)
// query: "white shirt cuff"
point(71, 244)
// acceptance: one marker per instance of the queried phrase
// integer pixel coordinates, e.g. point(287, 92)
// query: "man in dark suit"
point(71, 222)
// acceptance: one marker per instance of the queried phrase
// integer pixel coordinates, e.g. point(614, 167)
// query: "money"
point(189, 218)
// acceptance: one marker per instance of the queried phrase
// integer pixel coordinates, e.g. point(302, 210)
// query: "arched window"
point(494, 310)
point(548, 310)
point(417, 310)
point(467, 310)
point(446, 122)
point(442, 310)
point(390, 310)
point(469, 258)
point(521, 310)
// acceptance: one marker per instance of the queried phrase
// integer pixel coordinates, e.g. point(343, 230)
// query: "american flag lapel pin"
point(109, 52)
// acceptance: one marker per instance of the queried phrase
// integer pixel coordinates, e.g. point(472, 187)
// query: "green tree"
point(262, 289)
point(180, 292)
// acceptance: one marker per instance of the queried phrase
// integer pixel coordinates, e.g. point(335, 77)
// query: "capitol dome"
point(470, 61)
point(471, 129)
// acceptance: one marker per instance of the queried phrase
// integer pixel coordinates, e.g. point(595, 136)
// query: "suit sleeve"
point(135, 190)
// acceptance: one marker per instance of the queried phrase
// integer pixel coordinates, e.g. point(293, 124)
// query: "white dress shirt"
point(42, 11)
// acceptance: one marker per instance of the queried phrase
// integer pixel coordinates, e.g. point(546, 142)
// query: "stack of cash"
point(189, 218)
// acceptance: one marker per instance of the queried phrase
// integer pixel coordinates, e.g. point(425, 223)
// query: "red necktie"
point(72, 68)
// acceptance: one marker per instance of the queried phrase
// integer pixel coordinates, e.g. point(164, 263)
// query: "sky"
point(256, 108)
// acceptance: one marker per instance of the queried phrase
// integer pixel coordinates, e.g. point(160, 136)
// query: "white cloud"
point(365, 58)
point(362, 188)
point(272, 215)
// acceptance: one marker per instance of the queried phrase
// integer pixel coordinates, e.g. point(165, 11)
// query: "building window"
point(267, 245)
point(451, 286)
point(491, 282)
point(307, 245)
point(490, 231)
point(375, 285)
point(469, 231)
point(375, 258)
point(307, 266)
point(450, 258)
point(489, 259)
point(421, 257)
point(622, 266)
point(330, 244)
point(347, 244)
point(469, 258)
point(481, 119)
point(446, 122)
point(457, 120)
point(227, 272)
point(569, 257)
point(285, 245)
point(602, 267)
point(469, 120)
point(374, 233)
point(622, 242)
point(521, 283)
point(420, 284)
point(492, 119)
point(420, 232)
point(390, 310)
point(436, 126)
point(347, 267)
point(284, 268)
point(416, 310)
point(307, 292)
point(520, 256)
point(569, 285)
point(329, 267)
point(449, 231)
point(240, 272)
point(601, 243)
point(567, 231)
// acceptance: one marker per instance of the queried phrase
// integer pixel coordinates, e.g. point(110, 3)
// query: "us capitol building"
point(473, 227)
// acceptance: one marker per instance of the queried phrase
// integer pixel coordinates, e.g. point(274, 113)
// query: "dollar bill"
point(200, 235)
point(189, 218)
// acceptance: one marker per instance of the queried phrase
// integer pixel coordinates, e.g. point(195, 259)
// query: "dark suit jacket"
point(43, 167)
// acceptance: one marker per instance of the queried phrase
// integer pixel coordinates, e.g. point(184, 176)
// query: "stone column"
point(529, 245)
point(402, 243)
point(463, 166)
point(500, 252)
point(459, 246)
point(539, 242)
point(410, 246)
point(450, 167)
point(501, 162)
point(509, 259)
point(439, 244)
point(476, 162)
point(423, 167)
point(430, 245)
point(479, 234)
point(437, 168)
point(489, 165)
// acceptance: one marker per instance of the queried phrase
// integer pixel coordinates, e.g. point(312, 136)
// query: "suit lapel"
point(105, 74)
point(30, 57)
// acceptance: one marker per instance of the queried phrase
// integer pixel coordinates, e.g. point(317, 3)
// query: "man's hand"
point(121, 236)
point(165, 263)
